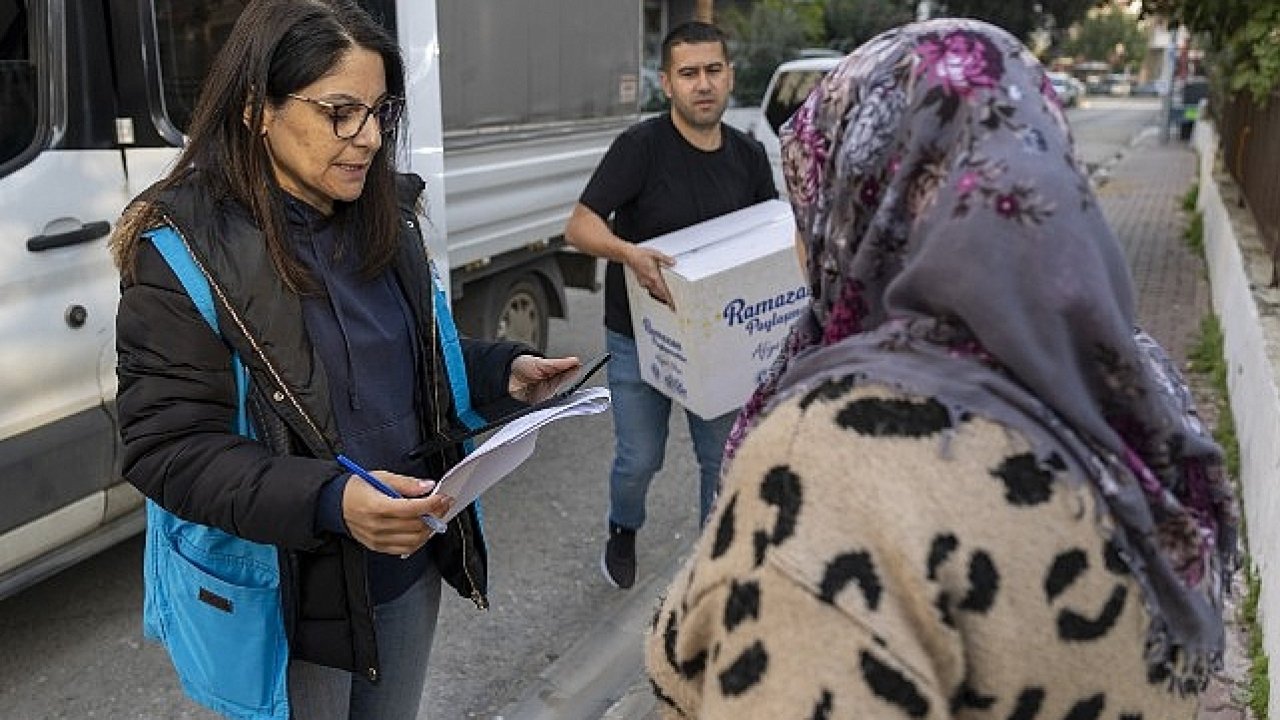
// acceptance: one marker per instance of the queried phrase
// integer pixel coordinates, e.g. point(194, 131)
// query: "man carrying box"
point(663, 174)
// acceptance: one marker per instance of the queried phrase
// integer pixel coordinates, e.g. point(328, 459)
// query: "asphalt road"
point(73, 646)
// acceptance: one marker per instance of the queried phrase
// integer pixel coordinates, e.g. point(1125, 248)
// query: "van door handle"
point(85, 233)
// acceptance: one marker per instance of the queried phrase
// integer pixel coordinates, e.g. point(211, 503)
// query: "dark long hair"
point(278, 47)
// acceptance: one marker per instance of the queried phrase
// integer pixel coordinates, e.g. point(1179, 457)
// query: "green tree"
point(1020, 17)
point(771, 32)
point(1254, 50)
point(849, 23)
point(1242, 38)
point(1101, 33)
point(1219, 20)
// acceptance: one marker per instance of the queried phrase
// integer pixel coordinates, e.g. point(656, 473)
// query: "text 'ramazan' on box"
point(737, 289)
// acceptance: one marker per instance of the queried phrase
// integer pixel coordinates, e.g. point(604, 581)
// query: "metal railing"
point(1251, 152)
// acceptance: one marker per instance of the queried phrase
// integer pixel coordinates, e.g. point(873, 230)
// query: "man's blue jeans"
point(641, 415)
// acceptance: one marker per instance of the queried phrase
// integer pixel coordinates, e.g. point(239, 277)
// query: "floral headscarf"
point(955, 248)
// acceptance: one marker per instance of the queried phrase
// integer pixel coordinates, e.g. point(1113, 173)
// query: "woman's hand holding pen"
point(391, 525)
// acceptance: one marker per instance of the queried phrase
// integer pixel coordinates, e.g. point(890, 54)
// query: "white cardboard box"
point(737, 289)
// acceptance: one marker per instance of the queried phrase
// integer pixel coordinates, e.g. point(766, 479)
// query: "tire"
point(512, 306)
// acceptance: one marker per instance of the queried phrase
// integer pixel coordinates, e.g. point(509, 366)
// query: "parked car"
point(1119, 84)
point(1068, 89)
point(787, 89)
point(1094, 76)
point(1148, 89)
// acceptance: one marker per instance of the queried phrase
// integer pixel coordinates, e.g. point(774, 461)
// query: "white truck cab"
point(504, 125)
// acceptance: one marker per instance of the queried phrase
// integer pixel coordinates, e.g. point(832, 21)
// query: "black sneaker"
point(619, 559)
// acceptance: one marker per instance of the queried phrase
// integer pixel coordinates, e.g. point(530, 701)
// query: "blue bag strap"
point(454, 364)
point(456, 369)
point(175, 252)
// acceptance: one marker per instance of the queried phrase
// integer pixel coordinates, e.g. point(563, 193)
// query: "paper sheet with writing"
point(511, 445)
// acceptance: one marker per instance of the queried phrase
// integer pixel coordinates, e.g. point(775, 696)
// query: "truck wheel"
point(522, 312)
point(512, 306)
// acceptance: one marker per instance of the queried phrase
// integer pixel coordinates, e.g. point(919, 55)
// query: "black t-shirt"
point(652, 181)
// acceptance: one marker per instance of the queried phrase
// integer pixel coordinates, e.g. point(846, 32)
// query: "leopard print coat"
point(868, 558)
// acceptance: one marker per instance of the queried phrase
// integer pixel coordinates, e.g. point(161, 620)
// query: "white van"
point(504, 125)
point(787, 89)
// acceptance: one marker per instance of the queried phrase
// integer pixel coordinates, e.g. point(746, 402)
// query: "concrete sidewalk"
point(1142, 199)
point(1141, 193)
point(602, 675)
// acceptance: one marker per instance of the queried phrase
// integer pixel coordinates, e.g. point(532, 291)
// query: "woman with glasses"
point(287, 199)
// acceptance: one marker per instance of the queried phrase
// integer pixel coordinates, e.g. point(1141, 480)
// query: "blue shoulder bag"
point(211, 598)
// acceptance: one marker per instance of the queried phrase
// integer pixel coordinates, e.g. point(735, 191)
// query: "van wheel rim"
point(521, 320)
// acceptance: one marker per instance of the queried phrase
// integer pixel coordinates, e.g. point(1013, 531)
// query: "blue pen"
point(435, 523)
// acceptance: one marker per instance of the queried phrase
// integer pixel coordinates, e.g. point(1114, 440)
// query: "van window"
point(19, 101)
point(788, 93)
point(189, 35)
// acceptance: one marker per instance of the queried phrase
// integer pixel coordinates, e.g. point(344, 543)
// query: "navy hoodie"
point(362, 331)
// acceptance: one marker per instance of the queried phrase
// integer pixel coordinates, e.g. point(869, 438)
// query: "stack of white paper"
point(511, 445)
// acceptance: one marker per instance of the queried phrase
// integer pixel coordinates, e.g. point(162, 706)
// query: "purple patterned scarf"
point(955, 248)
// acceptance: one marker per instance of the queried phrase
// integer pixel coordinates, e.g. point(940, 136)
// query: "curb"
point(598, 677)
point(1101, 173)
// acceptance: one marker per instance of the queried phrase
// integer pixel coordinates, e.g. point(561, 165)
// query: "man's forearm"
point(589, 233)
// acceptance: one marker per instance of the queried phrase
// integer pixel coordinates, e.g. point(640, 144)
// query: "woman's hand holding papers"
point(534, 378)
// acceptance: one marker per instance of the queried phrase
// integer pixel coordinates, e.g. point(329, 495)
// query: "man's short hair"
point(693, 32)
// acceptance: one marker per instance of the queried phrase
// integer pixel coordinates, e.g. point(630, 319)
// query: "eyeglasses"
point(349, 117)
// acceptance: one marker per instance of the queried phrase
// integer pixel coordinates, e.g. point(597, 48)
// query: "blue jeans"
point(640, 417)
point(404, 628)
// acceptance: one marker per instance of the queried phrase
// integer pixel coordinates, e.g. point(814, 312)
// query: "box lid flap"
point(728, 240)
